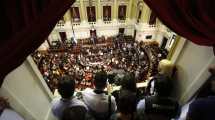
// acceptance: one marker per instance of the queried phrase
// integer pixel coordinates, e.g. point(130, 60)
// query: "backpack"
point(160, 108)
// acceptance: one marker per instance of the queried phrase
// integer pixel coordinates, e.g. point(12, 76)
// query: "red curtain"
point(24, 26)
point(192, 19)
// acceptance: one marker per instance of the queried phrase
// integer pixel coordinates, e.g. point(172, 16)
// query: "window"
point(75, 14)
point(91, 14)
point(149, 37)
point(107, 13)
point(122, 12)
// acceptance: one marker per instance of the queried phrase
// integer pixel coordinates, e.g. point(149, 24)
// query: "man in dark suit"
point(204, 108)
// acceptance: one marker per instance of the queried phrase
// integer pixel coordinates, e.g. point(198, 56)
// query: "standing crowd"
point(99, 104)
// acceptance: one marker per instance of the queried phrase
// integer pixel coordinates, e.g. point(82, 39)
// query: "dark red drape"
point(24, 26)
point(192, 19)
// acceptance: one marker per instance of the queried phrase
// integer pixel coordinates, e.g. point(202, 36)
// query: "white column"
point(67, 17)
point(83, 11)
point(129, 9)
point(115, 12)
point(145, 14)
point(99, 11)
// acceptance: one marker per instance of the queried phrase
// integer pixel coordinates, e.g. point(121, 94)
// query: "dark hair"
point(211, 69)
point(127, 102)
point(100, 80)
point(206, 90)
point(4, 104)
point(74, 113)
point(129, 82)
point(163, 85)
point(111, 78)
point(66, 87)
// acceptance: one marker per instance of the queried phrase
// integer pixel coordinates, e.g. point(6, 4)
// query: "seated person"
point(74, 113)
point(6, 113)
point(100, 105)
point(66, 88)
point(127, 107)
point(160, 106)
point(204, 108)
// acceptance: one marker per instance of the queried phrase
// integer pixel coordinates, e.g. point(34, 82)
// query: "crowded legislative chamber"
point(81, 49)
point(107, 59)
point(115, 55)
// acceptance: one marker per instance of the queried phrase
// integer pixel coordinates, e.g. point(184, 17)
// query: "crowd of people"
point(124, 104)
point(85, 80)
point(123, 55)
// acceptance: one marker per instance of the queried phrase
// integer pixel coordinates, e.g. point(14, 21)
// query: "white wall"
point(144, 30)
point(192, 64)
point(107, 31)
point(129, 31)
point(141, 36)
point(83, 30)
point(159, 37)
point(44, 46)
point(54, 36)
point(26, 93)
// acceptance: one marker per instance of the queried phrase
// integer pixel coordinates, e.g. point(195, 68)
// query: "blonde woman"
point(166, 68)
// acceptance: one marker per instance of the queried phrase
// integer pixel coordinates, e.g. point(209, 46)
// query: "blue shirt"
point(98, 102)
point(202, 109)
point(59, 104)
point(141, 106)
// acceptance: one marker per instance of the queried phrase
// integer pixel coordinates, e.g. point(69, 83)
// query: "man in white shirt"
point(100, 105)
point(9, 114)
point(66, 89)
point(6, 113)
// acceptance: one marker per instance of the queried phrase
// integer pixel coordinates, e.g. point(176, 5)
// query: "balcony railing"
point(76, 23)
point(151, 26)
point(121, 21)
point(107, 22)
point(92, 23)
